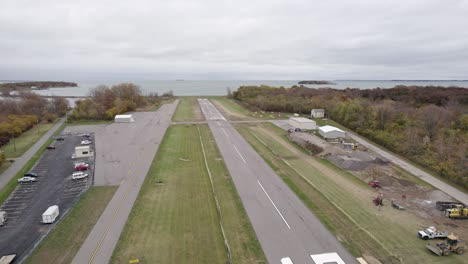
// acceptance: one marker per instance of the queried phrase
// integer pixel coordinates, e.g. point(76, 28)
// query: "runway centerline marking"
point(240, 155)
point(277, 210)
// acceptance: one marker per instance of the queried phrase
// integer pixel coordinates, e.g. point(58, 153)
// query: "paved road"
point(140, 142)
point(19, 163)
point(284, 226)
point(455, 193)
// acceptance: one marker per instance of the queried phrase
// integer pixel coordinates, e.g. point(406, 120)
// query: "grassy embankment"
point(89, 122)
point(188, 110)
point(323, 122)
point(342, 202)
point(65, 240)
point(23, 143)
point(175, 219)
point(234, 111)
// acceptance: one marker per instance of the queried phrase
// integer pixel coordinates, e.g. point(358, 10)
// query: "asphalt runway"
point(284, 226)
point(28, 201)
point(124, 153)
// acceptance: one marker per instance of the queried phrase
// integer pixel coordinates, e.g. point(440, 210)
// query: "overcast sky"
point(217, 39)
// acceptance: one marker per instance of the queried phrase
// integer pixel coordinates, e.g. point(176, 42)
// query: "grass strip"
point(174, 219)
point(62, 244)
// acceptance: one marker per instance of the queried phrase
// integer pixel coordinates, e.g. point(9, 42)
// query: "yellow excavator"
point(459, 212)
point(451, 245)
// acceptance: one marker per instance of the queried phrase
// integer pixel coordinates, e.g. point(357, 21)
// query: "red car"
point(81, 167)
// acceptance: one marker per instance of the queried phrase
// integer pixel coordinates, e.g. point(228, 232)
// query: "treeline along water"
point(219, 87)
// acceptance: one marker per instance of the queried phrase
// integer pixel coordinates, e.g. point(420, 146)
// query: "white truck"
point(49, 216)
point(431, 233)
point(3, 218)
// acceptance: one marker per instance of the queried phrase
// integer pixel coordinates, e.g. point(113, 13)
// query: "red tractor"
point(374, 184)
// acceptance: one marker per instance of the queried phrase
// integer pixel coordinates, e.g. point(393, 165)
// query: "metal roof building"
point(302, 123)
point(331, 132)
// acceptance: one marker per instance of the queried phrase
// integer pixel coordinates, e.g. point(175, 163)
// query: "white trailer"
point(3, 218)
point(124, 119)
point(49, 216)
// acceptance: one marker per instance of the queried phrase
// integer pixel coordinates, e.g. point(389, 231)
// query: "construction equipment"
point(378, 201)
point(459, 212)
point(442, 206)
point(451, 245)
point(374, 184)
point(397, 206)
point(431, 233)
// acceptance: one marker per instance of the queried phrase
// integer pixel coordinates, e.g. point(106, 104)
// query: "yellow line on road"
point(114, 216)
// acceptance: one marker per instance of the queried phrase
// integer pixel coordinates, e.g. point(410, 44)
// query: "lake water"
point(219, 87)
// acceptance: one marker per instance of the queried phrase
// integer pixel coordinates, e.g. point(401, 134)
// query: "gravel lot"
point(28, 201)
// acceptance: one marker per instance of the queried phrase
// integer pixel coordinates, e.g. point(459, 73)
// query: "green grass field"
point(188, 110)
point(25, 140)
point(89, 122)
point(65, 240)
point(342, 202)
point(175, 219)
point(234, 111)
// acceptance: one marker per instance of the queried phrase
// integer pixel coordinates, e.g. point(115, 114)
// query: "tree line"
point(21, 113)
point(428, 125)
point(105, 102)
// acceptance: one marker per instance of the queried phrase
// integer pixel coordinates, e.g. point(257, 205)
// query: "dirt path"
point(455, 193)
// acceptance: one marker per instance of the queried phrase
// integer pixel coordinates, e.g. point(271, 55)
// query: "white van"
point(3, 218)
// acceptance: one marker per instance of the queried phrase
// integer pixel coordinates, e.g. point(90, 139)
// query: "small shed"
point(317, 113)
point(331, 132)
point(124, 119)
point(83, 152)
point(302, 123)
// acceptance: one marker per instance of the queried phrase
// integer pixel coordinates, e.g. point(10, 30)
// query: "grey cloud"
point(273, 39)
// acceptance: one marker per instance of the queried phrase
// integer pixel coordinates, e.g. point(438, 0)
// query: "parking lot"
point(54, 186)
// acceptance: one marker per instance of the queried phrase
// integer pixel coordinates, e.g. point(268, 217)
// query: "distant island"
point(316, 82)
point(35, 85)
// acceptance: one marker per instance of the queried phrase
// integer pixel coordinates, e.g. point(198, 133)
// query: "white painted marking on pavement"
point(239, 154)
point(225, 132)
point(282, 217)
point(327, 258)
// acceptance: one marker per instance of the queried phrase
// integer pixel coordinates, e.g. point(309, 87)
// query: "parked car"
point(86, 135)
point(79, 175)
point(59, 138)
point(52, 146)
point(81, 163)
point(31, 174)
point(82, 167)
point(26, 179)
point(86, 142)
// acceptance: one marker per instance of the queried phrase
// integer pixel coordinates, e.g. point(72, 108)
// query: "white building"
point(317, 113)
point(83, 152)
point(331, 132)
point(302, 123)
point(124, 119)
